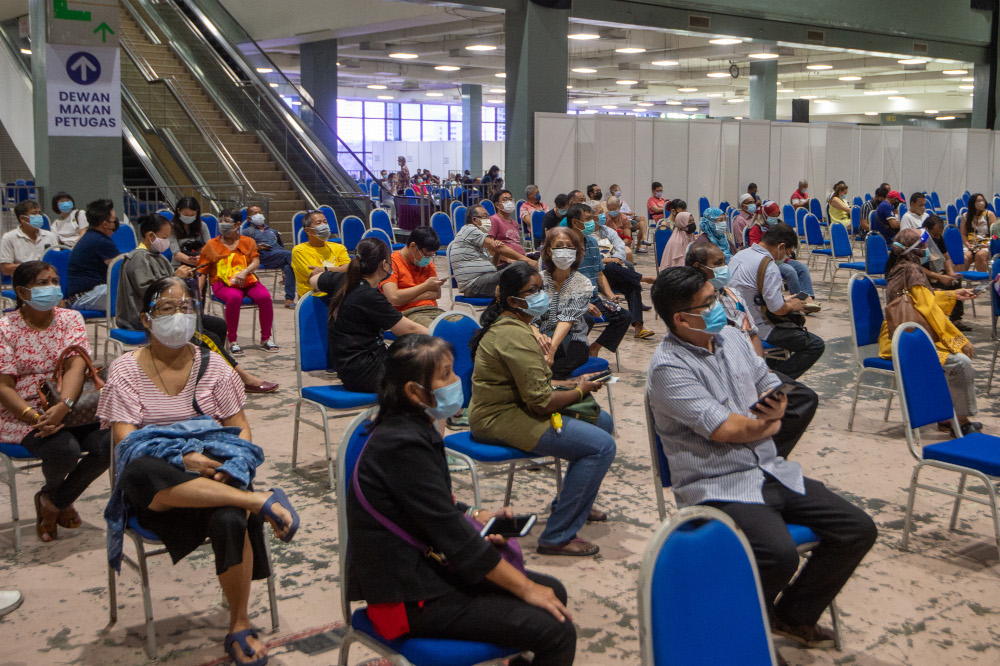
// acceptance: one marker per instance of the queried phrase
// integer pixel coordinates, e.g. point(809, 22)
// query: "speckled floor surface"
point(937, 604)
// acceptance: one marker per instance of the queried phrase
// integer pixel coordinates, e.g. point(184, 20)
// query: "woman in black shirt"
point(359, 313)
point(403, 475)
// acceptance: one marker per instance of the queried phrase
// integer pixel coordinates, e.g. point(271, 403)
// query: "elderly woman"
point(532, 202)
point(569, 293)
point(713, 225)
point(685, 231)
point(904, 274)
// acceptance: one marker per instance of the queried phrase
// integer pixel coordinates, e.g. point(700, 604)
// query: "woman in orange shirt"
point(230, 261)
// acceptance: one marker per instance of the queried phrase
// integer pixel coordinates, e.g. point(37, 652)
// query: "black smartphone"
point(603, 377)
point(518, 526)
point(773, 393)
point(980, 289)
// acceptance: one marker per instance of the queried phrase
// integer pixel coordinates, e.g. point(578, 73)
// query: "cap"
point(895, 195)
point(771, 209)
point(745, 198)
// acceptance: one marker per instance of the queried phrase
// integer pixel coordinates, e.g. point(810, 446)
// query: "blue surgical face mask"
point(720, 228)
point(65, 206)
point(423, 261)
point(561, 212)
point(714, 319)
point(537, 304)
point(588, 227)
point(772, 220)
point(721, 278)
point(45, 298)
point(448, 401)
point(37, 221)
point(926, 258)
point(613, 213)
point(602, 219)
point(752, 208)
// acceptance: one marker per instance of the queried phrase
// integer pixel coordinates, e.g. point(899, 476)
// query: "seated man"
point(414, 287)
point(29, 241)
point(886, 220)
point(504, 226)
point(87, 277)
point(554, 216)
point(474, 256)
point(656, 205)
point(271, 248)
point(802, 400)
point(795, 273)
point(800, 198)
point(317, 253)
point(702, 381)
point(767, 304)
point(637, 222)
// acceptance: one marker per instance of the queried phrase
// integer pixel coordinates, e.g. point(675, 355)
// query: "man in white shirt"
point(29, 242)
point(917, 213)
point(474, 256)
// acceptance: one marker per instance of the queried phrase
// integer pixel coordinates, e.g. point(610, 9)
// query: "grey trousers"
point(958, 372)
point(484, 286)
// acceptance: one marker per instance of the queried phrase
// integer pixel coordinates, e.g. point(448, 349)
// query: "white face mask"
point(174, 330)
point(563, 258)
point(257, 219)
point(187, 219)
point(160, 244)
point(508, 206)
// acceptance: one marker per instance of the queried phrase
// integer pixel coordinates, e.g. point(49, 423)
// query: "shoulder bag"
point(84, 410)
point(902, 310)
point(585, 409)
point(795, 320)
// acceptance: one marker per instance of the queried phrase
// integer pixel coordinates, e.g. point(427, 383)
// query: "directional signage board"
point(84, 90)
point(83, 22)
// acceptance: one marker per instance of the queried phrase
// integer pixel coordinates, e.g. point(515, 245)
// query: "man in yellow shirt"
point(317, 253)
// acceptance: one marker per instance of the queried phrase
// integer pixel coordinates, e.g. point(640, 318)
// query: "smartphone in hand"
point(776, 392)
point(518, 526)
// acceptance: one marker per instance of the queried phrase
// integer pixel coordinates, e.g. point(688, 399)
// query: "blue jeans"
point(796, 276)
point(589, 450)
point(95, 299)
point(279, 257)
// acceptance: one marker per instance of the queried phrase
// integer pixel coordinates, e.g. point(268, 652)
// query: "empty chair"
point(458, 217)
point(816, 208)
point(537, 228)
point(703, 205)
point(353, 229)
point(876, 257)
point(331, 220)
point(866, 322)
point(124, 238)
point(379, 219)
point(814, 238)
point(800, 215)
point(441, 223)
point(858, 201)
point(488, 205)
point(952, 214)
point(379, 234)
point(788, 214)
point(842, 249)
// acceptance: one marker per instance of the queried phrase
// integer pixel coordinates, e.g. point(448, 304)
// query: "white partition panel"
point(793, 162)
point(914, 163)
point(637, 191)
point(586, 152)
point(670, 159)
point(979, 155)
point(872, 156)
point(892, 139)
point(555, 154)
point(730, 183)
point(959, 151)
point(754, 158)
point(819, 183)
point(995, 141)
point(704, 161)
point(841, 159)
point(938, 174)
point(614, 143)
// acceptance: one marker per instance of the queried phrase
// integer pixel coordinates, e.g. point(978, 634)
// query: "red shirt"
point(798, 194)
point(653, 201)
point(506, 232)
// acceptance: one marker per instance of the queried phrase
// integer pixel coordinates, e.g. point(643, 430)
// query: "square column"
point(472, 128)
point(764, 90)
point(318, 63)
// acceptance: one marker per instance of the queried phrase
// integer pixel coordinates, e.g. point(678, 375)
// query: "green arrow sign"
point(105, 31)
point(61, 10)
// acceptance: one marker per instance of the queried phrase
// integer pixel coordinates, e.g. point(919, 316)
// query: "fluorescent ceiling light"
point(645, 104)
point(714, 95)
point(849, 78)
point(808, 96)
point(818, 67)
point(377, 86)
point(945, 118)
point(734, 100)
point(895, 98)
point(764, 56)
point(480, 47)
point(871, 113)
point(880, 92)
point(273, 84)
point(725, 41)
point(911, 61)
point(786, 90)
point(664, 63)
point(494, 101)
point(569, 87)
point(630, 49)
point(435, 94)
point(717, 75)
point(626, 82)
point(932, 111)
point(672, 102)
point(583, 36)
point(501, 75)
point(385, 97)
point(955, 72)
point(447, 68)
point(967, 79)
point(966, 87)
point(584, 70)
point(580, 101)
point(498, 90)
point(737, 117)
point(608, 106)
point(638, 110)
point(690, 108)
point(404, 56)
point(264, 70)
point(687, 90)
point(26, 51)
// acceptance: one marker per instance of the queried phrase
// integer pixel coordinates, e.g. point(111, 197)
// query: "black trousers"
point(570, 356)
point(805, 348)
point(618, 321)
point(492, 615)
point(846, 535)
point(623, 279)
point(66, 473)
point(802, 404)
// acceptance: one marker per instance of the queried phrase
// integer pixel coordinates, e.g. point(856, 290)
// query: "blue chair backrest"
point(996, 204)
point(442, 225)
point(376, 191)
point(816, 208)
point(840, 241)
point(965, 197)
point(953, 242)
point(353, 230)
point(703, 205)
point(364, 188)
point(858, 201)
point(488, 205)
point(331, 219)
point(458, 215)
point(355, 445)
point(313, 341)
point(876, 254)
point(994, 297)
point(169, 214)
point(789, 212)
point(124, 238)
point(724, 206)
point(800, 214)
point(212, 224)
point(59, 258)
point(936, 199)
point(459, 333)
point(114, 275)
point(375, 232)
point(45, 222)
point(703, 578)
point(902, 210)
point(925, 390)
point(868, 196)
point(855, 219)
point(538, 223)
point(517, 209)
point(409, 192)
point(814, 235)
point(660, 242)
point(458, 194)
point(952, 213)
point(994, 246)
point(454, 204)
point(380, 220)
point(297, 234)
point(866, 310)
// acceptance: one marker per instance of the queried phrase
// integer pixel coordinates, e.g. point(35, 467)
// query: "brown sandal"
point(69, 518)
point(45, 522)
point(572, 548)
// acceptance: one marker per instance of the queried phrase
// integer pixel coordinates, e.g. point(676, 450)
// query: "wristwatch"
point(69, 402)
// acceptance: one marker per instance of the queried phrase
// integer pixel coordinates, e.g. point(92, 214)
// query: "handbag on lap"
point(84, 410)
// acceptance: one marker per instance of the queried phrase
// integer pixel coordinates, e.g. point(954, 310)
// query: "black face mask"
point(597, 195)
point(691, 228)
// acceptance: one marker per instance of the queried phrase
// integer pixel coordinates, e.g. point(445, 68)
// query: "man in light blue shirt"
point(703, 384)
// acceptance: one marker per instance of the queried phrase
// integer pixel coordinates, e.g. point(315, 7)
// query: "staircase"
point(256, 163)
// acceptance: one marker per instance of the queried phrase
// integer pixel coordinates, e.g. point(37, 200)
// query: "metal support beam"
point(764, 90)
point(319, 79)
point(472, 128)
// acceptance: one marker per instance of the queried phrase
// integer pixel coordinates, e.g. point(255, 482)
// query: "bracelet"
point(471, 509)
point(475, 514)
point(37, 417)
point(581, 392)
point(23, 412)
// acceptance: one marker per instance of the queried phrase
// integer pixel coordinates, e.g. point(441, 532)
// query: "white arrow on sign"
point(85, 67)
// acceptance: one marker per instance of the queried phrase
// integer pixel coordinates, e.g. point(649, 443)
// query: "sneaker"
point(647, 243)
point(9, 601)
point(235, 350)
point(961, 325)
point(289, 304)
point(460, 422)
point(813, 306)
point(811, 636)
point(270, 346)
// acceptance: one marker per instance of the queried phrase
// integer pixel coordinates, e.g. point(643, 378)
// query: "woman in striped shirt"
point(159, 384)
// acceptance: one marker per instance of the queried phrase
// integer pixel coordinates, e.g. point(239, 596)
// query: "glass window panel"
point(435, 130)
point(374, 130)
point(501, 114)
point(410, 112)
point(350, 130)
point(489, 132)
point(348, 108)
point(489, 114)
point(392, 110)
point(456, 112)
point(374, 109)
point(392, 130)
point(454, 131)
point(501, 131)
point(410, 130)
point(435, 112)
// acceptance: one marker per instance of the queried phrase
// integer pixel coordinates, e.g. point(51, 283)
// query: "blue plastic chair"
point(965, 197)
point(331, 219)
point(842, 249)
point(488, 205)
point(814, 238)
point(297, 233)
point(453, 205)
point(379, 219)
point(876, 257)
point(660, 239)
point(805, 539)
point(376, 191)
point(699, 577)
point(472, 302)
point(995, 315)
point(408, 192)
point(379, 234)
point(816, 208)
point(9, 454)
point(59, 258)
point(311, 346)
point(537, 229)
point(858, 201)
point(866, 324)
point(119, 337)
point(413, 651)
point(800, 216)
point(441, 223)
point(458, 217)
point(926, 400)
point(788, 213)
point(952, 214)
point(956, 252)
point(703, 205)
point(353, 229)
point(124, 238)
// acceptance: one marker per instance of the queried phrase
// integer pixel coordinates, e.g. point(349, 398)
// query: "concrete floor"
point(937, 604)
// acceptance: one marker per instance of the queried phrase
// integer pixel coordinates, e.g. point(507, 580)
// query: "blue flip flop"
point(278, 496)
point(241, 638)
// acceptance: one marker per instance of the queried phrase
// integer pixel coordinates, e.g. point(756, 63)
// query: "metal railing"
point(212, 197)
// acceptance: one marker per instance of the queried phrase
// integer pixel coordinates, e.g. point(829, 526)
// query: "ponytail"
point(512, 281)
point(368, 256)
point(487, 319)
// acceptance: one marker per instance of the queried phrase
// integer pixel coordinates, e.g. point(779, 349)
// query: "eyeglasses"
point(167, 308)
point(530, 291)
point(710, 303)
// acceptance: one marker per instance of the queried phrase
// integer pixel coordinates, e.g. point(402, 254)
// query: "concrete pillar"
point(472, 128)
point(318, 62)
point(764, 90)
point(983, 112)
point(537, 58)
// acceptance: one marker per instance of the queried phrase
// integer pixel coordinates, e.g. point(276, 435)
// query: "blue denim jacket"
point(171, 442)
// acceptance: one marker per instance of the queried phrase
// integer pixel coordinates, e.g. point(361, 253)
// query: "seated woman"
point(146, 264)
point(31, 339)
point(70, 222)
point(685, 231)
point(229, 261)
point(570, 293)
point(403, 474)
point(163, 384)
point(188, 233)
point(975, 229)
point(713, 225)
point(903, 273)
point(673, 208)
point(513, 399)
point(839, 209)
point(359, 314)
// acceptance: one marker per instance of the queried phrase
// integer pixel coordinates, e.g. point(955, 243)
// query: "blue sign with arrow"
point(83, 68)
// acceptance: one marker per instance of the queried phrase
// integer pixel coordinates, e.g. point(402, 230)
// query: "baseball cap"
point(895, 195)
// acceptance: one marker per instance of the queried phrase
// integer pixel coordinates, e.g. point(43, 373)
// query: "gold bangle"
point(37, 417)
point(581, 392)
point(23, 412)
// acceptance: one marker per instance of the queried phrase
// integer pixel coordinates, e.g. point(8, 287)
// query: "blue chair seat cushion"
point(878, 282)
point(825, 251)
point(853, 265)
point(128, 337)
point(593, 364)
point(15, 451)
point(246, 300)
point(433, 651)
point(473, 301)
point(974, 275)
point(978, 451)
point(463, 443)
point(92, 314)
point(801, 534)
point(148, 535)
point(337, 397)
point(878, 362)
